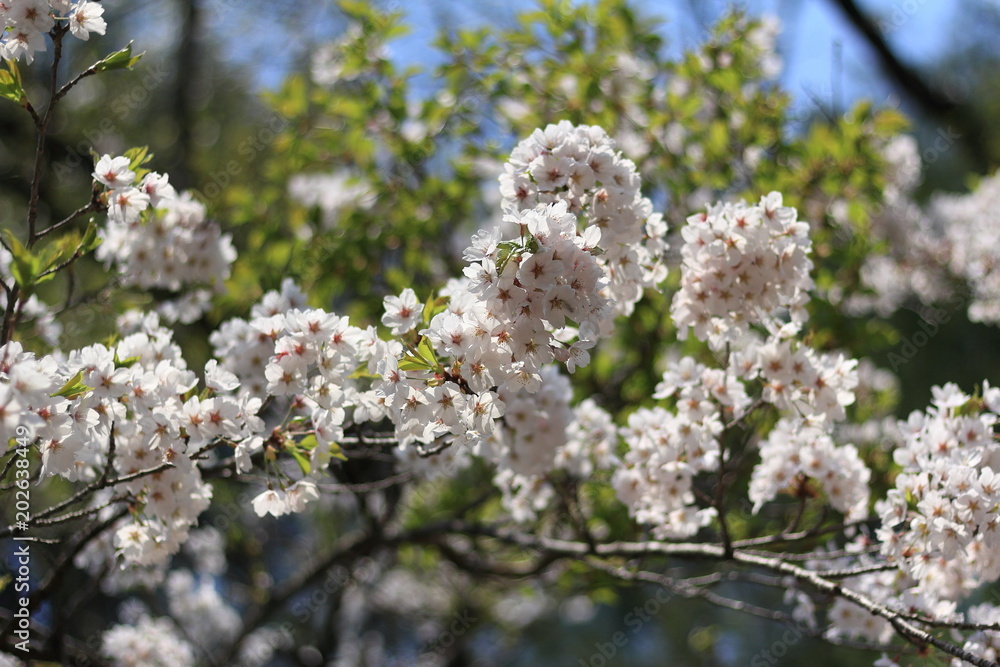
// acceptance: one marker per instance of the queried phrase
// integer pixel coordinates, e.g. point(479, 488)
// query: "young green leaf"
point(336, 452)
point(118, 60)
point(301, 459)
point(74, 387)
point(10, 86)
point(24, 266)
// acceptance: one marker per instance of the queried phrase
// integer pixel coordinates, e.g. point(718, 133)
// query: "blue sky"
point(813, 31)
point(918, 29)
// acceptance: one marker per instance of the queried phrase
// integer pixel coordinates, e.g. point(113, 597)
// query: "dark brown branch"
point(83, 493)
point(903, 626)
point(94, 205)
point(348, 548)
point(688, 588)
point(931, 100)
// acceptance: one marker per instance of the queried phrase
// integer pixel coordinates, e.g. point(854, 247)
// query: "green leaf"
point(336, 452)
point(426, 351)
point(90, 239)
point(74, 387)
point(138, 156)
point(24, 268)
point(301, 459)
point(433, 306)
point(309, 442)
point(412, 363)
point(505, 251)
point(128, 361)
point(118, 60)
point(10, 84)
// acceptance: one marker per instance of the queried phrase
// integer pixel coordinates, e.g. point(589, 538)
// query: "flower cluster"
point(544, 434)
point(797, 379)
point(941, 521)
point(743, 265)
point(25, 22)
point(530, 297)
point(147, 641)
point(243, 347)
point(26, 387)
point(972, 231)
point(130, 406)
point(665, 452)
point(667, 449)
point(578, 165)
point(160, 239)
point(916, 258)
point(797, 451)
point(984, 643)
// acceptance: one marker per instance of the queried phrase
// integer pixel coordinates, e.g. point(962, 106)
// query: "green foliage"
point(11, 86)
point(122, 59)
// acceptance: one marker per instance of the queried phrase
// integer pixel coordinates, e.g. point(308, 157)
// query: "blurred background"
point(234, 98)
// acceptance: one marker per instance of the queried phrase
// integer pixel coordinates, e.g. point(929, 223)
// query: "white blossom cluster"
point(891, 589)
point(941, 521)
point(543, 434)
point(972, 231)
point(796, 451)
point(578, 166)
point(206, 618)
point(984, 643)
point(202, 618)
point(24, 23)
point(332, 193)
point(667, 449)
point(665, 452)
point(916, 258)
point(160, 239)
point(523, 303)
point(797, 379)
point(743, 265)
point(243, 347)
point(955, 238)
point(529, 299)
point(26, 387)
point(133, 403)
point(150, 642)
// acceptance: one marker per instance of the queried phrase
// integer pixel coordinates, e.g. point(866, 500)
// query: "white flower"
point(402, 312)
point(274, 502)
point(114, 172)
point(300, 494)
point(85, 18)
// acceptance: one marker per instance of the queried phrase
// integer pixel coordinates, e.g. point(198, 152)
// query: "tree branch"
point(932, 101)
